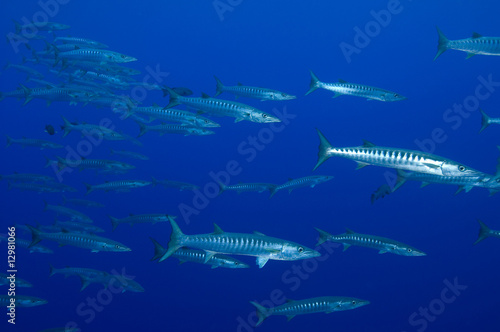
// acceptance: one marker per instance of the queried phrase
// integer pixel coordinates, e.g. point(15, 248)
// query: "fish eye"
point(353, 302)
point(123, 56)
point(300, 249)
point(236, 263)
point(498, 180)
point(264, 115)
point(409, 250)
point(396, 95)
point(461, 168)
point(117, 246)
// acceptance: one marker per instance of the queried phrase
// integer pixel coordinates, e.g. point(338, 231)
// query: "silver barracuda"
point(6, 279)
point(23, 243)
point(180, 129)
point(123, 185)
point(56, 94)
point(129, 154)
point(409, 160)
point(41, 26)
point(44, 187)
point(382, 244)
point(74, 226)
point(199, 256)
point(486, 121)
point(485, 232)
point(352, 89)
point(220, 242)
point(22, 301)
point(73, 214)
point(81, 202)
point(18, 93)
point(219, 107)
point(84, 274)
point(472, 46)
point(174, 184)
point(174, 115)
point(27, 70)
point(246, 187)
point(308, 181)
point(92, 54)
point(80, 41)
point(94, 164)
point(39, 143)
point(141, 219)
point(252, 92)
point(292, 308)
point(86, 241)
point(26, 177)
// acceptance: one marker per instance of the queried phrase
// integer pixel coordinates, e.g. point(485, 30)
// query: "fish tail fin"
point(154, 181)
point(262, 312)
point(324, 146)
point(89, 188)
point(18, 26)
point(222, 187)
point(273, 190)
point(48, 162)
point(442, 43)
point(219, 87)
point(323, 236)
point(9, 141)
point(315, 82)
point(143, 129)
point(52, 270)
point(66, 126)
point(35, 236)
point(174, 97)
point(485, 121)
point(400, 180)
point(159, 250)
point(114, 222)
point(484, 232)
point(175, 239)
point(27, 94)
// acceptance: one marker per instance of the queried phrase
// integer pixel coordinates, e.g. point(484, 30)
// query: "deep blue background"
point(273, 44)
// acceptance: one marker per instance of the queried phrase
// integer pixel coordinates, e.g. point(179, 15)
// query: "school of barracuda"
point(86, 72)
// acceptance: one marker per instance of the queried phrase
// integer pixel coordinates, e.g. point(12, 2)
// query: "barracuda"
point(73, 214)
point(129, 154)
point(308, 181)
point(91, 54)
point(26, 177)
point(56, 94)
point(74, 226)
point(252, 92)
point(39, 143)
point(85, 241)
point(174, 115)
point(94, 164)
point(246, 187)
point(344, 88)
point(123, 186)
point(141, 219)
point(174, 184)
point(81, 202)
point(174, 129)
point(23, 243)
point(475, 45)
point(220, 242)
point(486, 120)
point(409, 160)
point(485, 232)
point(78, 40)
point(46, 187)
point(382, 244)
point(4, 280)
point(219, 107)
point(199, 256)
point(86, 275)
point(22, 301)
point(326, 304)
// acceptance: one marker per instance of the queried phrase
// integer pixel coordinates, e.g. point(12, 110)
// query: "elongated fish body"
point(247, 187)
point(174, 129)
point(26, 177)
point(199, 256)
point(352, 89)
point(174, 115)
point(87, 276)
point(81, 202)
point(308, 181)
point(219, 107)
point(326, 304)
point(41, 26)
point(409, 160)
point(141, 219)
point(55, 94)
point(257, 244)
point(472, 46)
point(27, 70)
point(485, 232)
point(86, 127)
point(86, 241)
point(46, 187)
point(5, 280)
point(75, 226)
point(81, 41)
point(175, 184)
point(486, 120)
point(129, 154)
point(94, 55)
point(18, 93)
point(23, 243)
point(73, 214)
point(22, 301)
point(123, 185)
point(95, 164)
point(382, 244)
point(38, 143)
point(252, 92)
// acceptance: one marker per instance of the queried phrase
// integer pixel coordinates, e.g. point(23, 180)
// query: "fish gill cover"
point(160, 156)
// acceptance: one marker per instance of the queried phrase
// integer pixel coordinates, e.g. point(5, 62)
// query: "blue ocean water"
point(273, 45)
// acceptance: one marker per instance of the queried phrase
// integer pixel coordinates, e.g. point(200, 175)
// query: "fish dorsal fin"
point(349, 231)
point(64, 230)
point(342, 81)
point(77, 48)
point(239, 84)
point(258, 233)
point(217, 229)
point(476, 35)
point(368, 144)
point(204, 95)
point(155, 105)
point(289, 300)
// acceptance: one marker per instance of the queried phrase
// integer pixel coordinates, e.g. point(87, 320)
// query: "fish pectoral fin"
point(289, 317)
point(258, 233)
point(94, 250)
point(469, 55)
point(361, 165)
point(383, 251)
point(238, 120)
point(337, 95)
point(424, 184)
point(467, 188)
point(346, 246)
point(214, 267)
point(432, 165)
point(261, 261)
point(208, 256)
